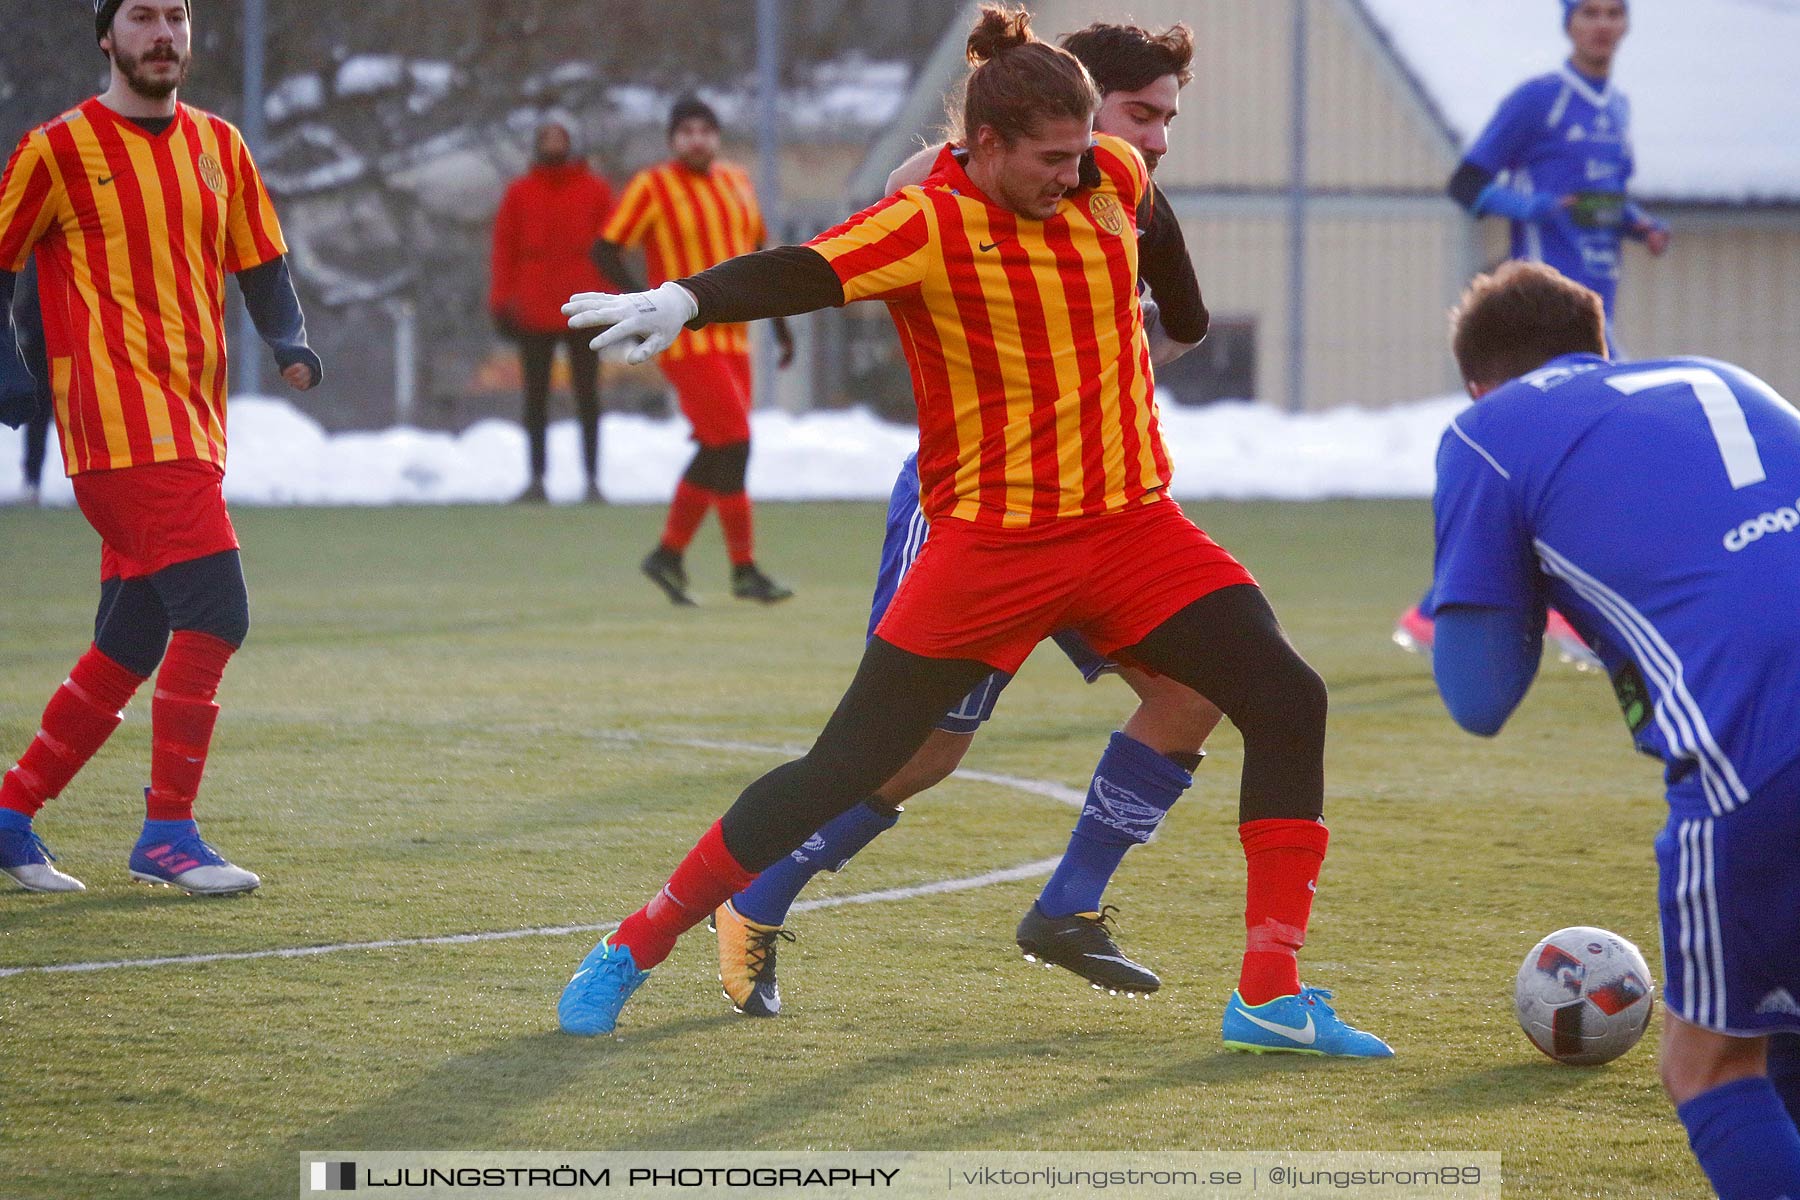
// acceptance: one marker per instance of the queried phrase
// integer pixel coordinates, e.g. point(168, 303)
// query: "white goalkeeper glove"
point(648, 322)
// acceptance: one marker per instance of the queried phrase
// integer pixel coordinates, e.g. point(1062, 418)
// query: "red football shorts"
point(993, 594)
point(714, 392)
point(155, 516)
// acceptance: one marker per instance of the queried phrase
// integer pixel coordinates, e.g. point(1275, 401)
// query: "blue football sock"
point(1784, 1071)
point(767, 900)
point(1133, 789)
point(14, 820)
point(1745, 1141)
point(167, 831)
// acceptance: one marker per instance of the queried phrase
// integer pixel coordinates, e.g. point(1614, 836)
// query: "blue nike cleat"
point(599, 988)
point(1302, 1024)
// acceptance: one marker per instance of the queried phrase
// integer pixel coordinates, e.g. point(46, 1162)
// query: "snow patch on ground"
point(1237, 451)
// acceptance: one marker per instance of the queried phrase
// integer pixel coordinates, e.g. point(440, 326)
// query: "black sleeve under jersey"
point(274, 308)
point(610, 261)
point(783, 282)
point(1467, 184)
point(1164, 265)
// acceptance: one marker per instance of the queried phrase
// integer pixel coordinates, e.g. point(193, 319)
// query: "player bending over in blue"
point(1657, 505)
point(1555, 160)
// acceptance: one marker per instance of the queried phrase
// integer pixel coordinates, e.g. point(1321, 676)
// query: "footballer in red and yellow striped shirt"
point(135, 207)
point(134, 234)
point(687, 220)
point(688, 214)
point(1012, 279)
point(1029, 362)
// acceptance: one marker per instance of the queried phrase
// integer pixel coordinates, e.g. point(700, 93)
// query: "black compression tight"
point(1227, 646)
point(1230, 648)
point(893, 704)
point(720, 469)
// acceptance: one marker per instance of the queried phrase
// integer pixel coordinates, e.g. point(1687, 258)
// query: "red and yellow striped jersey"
point(688, 222)
point(134, 233)
point(1029, 362)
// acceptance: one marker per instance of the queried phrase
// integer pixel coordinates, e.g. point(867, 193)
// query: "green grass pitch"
point(472, 719)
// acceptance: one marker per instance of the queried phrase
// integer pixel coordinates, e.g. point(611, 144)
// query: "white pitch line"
point(1032, 870)
point(941, 887)
point(1031, 787)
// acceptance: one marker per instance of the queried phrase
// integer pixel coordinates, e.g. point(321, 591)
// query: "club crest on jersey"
point(1123, 810)
point(1107, 214)
point(211, 174)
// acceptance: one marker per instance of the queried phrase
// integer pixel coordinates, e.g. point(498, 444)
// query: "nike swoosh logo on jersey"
point(105, 179)
point(1305, 1034)
point(986, 246)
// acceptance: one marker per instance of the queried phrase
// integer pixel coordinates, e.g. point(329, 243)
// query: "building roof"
point(1713, 84)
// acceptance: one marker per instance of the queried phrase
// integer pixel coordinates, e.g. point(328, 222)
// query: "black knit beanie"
point(689, 107)
point(106, 10)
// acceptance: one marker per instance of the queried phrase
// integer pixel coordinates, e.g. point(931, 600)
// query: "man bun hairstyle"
point(1018, 80)
point(1125, 58)
point(1518, 317)
point(106, 10)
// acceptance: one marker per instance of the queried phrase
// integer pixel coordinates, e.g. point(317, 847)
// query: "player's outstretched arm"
point(1484, 660)
point(783, 282)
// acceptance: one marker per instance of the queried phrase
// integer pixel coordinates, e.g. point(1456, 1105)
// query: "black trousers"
point(537, 351)
point(1227, 646)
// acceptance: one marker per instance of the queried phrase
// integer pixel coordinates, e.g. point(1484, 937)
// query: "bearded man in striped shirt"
point(136, 207)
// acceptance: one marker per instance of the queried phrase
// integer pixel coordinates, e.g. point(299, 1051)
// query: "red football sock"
point(1284, 857)
point(77, 721)
point(182, 715)
point(740, 537)
point(706, 878)
point(686, 512)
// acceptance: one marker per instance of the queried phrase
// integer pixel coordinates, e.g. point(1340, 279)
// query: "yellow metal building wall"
point(1366, 130)
point(1378, 293)
point(1722, 291)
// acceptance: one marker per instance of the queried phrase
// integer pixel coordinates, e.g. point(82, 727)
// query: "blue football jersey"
point(1656, 505)
point(1564, 135)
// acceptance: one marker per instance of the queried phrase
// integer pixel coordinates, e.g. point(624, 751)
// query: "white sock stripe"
point(1719, 777)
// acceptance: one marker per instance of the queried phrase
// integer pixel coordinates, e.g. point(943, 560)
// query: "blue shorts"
point(900, 546)
point(1730, 894)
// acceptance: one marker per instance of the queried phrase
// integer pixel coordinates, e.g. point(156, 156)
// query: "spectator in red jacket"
point(542, 234)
